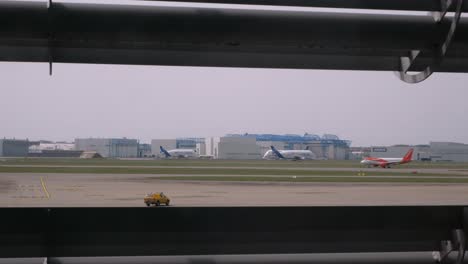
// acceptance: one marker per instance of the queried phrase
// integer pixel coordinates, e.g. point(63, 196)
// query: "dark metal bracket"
point(49, 11)
point(49, 260)
point(439, 53)
point(456, 244)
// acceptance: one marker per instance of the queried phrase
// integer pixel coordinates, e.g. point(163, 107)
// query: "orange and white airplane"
point(387, 162)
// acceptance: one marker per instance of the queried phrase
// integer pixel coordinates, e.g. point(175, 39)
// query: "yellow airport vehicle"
point(157, 199)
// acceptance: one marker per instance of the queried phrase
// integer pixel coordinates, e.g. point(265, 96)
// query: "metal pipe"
point(150, 35)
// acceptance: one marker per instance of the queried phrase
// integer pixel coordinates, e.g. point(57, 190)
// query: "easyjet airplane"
point(387, 162)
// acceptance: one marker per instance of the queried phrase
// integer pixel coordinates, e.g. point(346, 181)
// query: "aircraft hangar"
point(434, 151)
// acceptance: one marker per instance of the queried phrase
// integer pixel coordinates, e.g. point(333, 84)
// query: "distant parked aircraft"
point(387, 162)
point(289, 154)
point(178, 153)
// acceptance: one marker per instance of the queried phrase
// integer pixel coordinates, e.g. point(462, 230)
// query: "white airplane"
point(178, 153)
point(289, 154)
point(387, 162)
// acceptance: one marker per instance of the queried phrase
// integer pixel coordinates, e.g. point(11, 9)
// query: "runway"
point(76, 190)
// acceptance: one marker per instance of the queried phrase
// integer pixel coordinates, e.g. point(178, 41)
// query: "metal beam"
point(79, 232)
point(188, 36)
point(403, 5)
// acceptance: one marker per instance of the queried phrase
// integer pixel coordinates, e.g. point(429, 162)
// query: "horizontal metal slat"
point(75, 232)
point(410, 5)
point(188, 36)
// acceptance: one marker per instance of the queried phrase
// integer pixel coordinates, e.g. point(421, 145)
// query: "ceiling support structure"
point(439, 50)
point(218, 36)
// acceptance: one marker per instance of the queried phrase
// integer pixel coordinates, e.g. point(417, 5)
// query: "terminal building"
point(109, 147)
point(15, 147)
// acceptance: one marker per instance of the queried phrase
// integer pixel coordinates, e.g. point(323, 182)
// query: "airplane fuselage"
point(182, 153)
point(290, 154)
point(387, 162)
point(382, 161)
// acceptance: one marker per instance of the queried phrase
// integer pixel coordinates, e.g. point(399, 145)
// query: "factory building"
point(201, 148)
point(238, 147)
point(15, 147)
point(49, 145)
point(144, 151)
point(51, 149)
point(326, 147)
point(435, 151)
point(254, 146)
point(421, 152)
point(109, 147)
point(198, 144)
point(329, 150)
point(211, 146)
point(449, 151)
point(359, 153)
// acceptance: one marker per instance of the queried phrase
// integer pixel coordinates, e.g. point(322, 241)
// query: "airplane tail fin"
point(307, 148)
point(277, 153)
point(164, 151)
point(409, 156)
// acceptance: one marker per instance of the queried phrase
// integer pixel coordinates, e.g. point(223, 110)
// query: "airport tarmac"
point(58, 189)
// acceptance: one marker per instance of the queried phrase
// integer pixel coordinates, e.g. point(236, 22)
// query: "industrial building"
point(211, 144)
point(238, 147)
point(435, 151)
point(421, 152)
point(144, 151)
point(326, 147)
point(49, 145)
point(198, 144)
point(49, 149)
point(15, 147)
point(109, 147)
point(358, 153)
point(232, 146)
point(449, 151)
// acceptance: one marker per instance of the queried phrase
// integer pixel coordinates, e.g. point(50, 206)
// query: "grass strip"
point(207, 171)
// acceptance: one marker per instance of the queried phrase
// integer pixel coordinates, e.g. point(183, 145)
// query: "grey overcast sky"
point(145, 102)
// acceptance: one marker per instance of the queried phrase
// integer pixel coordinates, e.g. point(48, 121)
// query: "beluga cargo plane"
point(274, 154)
point(178, 153)
point(387, 162)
